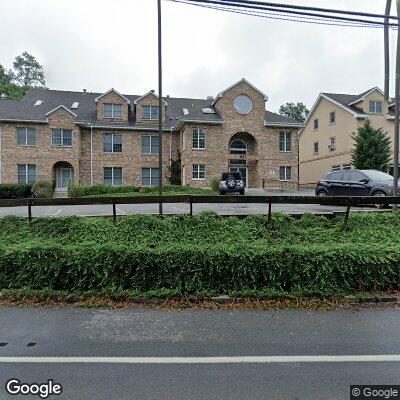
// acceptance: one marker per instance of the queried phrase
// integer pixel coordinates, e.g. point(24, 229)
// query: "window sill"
point(27, 145)
point(201, 149)
point(332, 123)
point(285, 151)
point(315, 130)
point(198, 179)
point(285, 180)
point(149, 154)
point(61, 147)
point(112, 152)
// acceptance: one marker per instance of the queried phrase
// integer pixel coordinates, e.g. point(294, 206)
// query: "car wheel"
point(322, 193)
point(379, 193)
point(231, 183)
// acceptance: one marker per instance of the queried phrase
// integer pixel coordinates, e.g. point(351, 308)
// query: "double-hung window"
point(61, 137)
point(150, 112)
point(285, 141)
point(285, 173)
point(113, 176)
point(375, 107)
point(332, 117)
point(26, 173)
point(316, 124)
point(199, 139)
point(198, 171)
point(26, 137)
point(150, 176)
point(316, 147)
point(112, 111)
point(150, 144)
point(112, 143)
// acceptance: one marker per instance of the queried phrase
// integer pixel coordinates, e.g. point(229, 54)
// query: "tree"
point(175, 170)
point(27, 71)
point(297, 111)
point(372, 148)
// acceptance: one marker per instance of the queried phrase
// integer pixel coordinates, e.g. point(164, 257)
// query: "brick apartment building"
point(111, 138)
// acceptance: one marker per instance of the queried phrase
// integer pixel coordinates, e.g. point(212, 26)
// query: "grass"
point(154, 192)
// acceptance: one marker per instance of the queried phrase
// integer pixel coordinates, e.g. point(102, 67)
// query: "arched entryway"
point(63, 174)
point(242, 156)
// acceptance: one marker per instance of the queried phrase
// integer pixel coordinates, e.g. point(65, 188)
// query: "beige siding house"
point(326, 142)
point(111, 138)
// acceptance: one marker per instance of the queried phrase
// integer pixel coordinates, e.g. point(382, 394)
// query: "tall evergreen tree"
point(372, 148)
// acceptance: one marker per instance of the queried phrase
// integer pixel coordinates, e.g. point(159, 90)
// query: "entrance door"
point(243, 171)
point(64, 177)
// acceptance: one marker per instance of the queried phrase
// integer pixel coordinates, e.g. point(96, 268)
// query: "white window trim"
point(375, 112)
point(26, 173)
point(284, 142)
point(198, 172)
point(26, 137)
point(112, 111)
point(141, 145)
point(112, 144)
point(291, 173)
point(62, 138)
point(243, 148)
point(151, 176)
point(334, 122)
point(198, 138)
point(148, 119)
point(112, 176)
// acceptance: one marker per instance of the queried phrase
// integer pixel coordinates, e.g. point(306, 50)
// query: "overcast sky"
point(99, 44)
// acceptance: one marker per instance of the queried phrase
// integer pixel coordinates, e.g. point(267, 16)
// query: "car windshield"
point(236, 175)
point(378, 175)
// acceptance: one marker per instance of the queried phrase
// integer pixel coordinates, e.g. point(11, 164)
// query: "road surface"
point(199, 354)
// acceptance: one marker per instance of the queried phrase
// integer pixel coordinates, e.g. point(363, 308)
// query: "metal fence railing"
point(344, 201)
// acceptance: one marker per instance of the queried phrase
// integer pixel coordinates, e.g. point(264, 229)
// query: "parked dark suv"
point(231, 182)
point(355, 183)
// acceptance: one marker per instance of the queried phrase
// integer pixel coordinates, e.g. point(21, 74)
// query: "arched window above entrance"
point(238, 146)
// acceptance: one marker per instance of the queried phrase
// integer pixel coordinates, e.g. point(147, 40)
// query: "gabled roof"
point(150, 92)
point(362, 96)
point(273, 119)
point(344, 101)
point(243, 80)
point(23, 110)
point(109, 91)
point(62, 107)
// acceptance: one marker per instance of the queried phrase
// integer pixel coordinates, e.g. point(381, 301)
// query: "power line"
point(232, 3)
point(318, 9)
point(270, 15)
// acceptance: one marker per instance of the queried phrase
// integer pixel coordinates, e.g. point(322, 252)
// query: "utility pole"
point(160, 110)
point(397, 115)
point(386, 47)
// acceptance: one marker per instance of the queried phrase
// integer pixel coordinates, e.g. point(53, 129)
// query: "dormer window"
point(112, 111)
point(375, 107)
point(150, 112)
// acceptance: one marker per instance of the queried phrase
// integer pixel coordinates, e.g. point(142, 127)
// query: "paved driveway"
point(181, 208)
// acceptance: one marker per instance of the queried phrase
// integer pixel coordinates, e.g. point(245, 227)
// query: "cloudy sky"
point(99, 44)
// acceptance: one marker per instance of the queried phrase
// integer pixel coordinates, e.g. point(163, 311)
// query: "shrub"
point(15, 191)
point(202, 253)
point(215, 184)
point(81, 191)
point(42, 189)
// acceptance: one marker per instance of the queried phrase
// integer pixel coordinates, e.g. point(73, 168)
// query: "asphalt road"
point(196, 339)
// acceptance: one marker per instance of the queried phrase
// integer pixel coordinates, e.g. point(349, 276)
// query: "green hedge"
point(218, 268)
point(15, 191)
point(42, 189)
point(206, 252)
point(81, 191)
